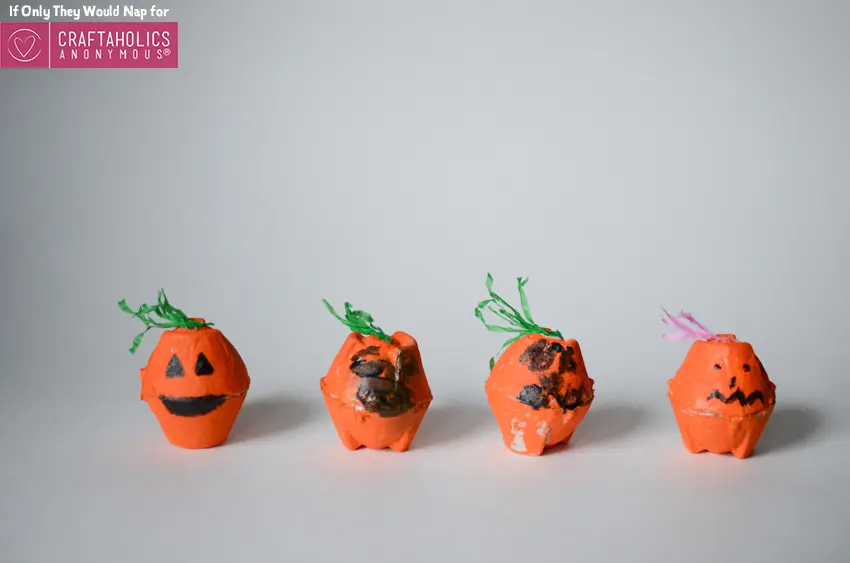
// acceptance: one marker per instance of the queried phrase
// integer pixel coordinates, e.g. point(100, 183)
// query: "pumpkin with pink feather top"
point(721, 395)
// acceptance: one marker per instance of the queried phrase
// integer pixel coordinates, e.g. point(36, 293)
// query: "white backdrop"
point(622, 155)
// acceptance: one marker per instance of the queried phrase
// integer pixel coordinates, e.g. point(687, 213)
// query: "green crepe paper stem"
point(517, 323)
point(171, 317)
point(358, 321)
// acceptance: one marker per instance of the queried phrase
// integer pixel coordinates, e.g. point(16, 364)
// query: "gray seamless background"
point(624, 155)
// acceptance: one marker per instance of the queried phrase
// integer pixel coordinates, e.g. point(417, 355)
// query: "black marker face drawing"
point(203, 366)
point(174, 368)
point(739, 396)
point(739, 380)
point(722, 377)
point(190, 406)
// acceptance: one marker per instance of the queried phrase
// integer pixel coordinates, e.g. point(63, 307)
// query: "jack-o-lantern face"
point(724, 377)
point(195, 383)
point(721, 395)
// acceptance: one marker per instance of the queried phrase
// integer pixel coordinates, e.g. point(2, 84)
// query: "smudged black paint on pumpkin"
point(192, 406)
point(572, 399)
point(568, 362)
point(385, 397)
point(174, 368)
point(540, 396)
point(407, 366)
point(539, 357)
point(533, 396)
point(541, 354)
point(371, 368)
point(362, 367)
point(381, 389)
point(203, 365)
point(368, 351)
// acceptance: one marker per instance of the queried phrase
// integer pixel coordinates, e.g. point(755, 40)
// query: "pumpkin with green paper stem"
point(538, 387)
point(375, 390)
point(195, 381)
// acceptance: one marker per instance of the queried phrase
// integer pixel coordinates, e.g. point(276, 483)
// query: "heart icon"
point(24, 46)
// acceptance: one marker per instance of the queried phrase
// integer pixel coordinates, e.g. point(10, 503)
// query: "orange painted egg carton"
point(721, 395)
point(538, 389)
point(377, 393)
point(195, 381)
point(375, 390)
point(540, 392)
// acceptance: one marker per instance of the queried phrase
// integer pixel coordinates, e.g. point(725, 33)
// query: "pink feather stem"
point(686, 332)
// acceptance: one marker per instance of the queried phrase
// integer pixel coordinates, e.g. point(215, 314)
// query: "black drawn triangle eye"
point(203, 365)
point(175, 368)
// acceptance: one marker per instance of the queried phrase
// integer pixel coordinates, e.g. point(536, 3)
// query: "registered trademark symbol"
point(166, 51)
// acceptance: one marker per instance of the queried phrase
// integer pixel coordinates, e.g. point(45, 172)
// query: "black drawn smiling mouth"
point(738, 396)
point(194, 406)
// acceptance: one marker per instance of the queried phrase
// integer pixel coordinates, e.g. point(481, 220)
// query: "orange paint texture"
point(539, 392)
point(195, 383)
point(376, 392)
point(722, 397)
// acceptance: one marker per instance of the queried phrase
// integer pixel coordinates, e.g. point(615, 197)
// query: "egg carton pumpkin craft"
point(195, 381)
point(538, 389)
point(376, 391)
point(721, 395)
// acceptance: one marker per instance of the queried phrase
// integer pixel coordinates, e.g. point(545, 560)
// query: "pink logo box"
point(88, 45)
